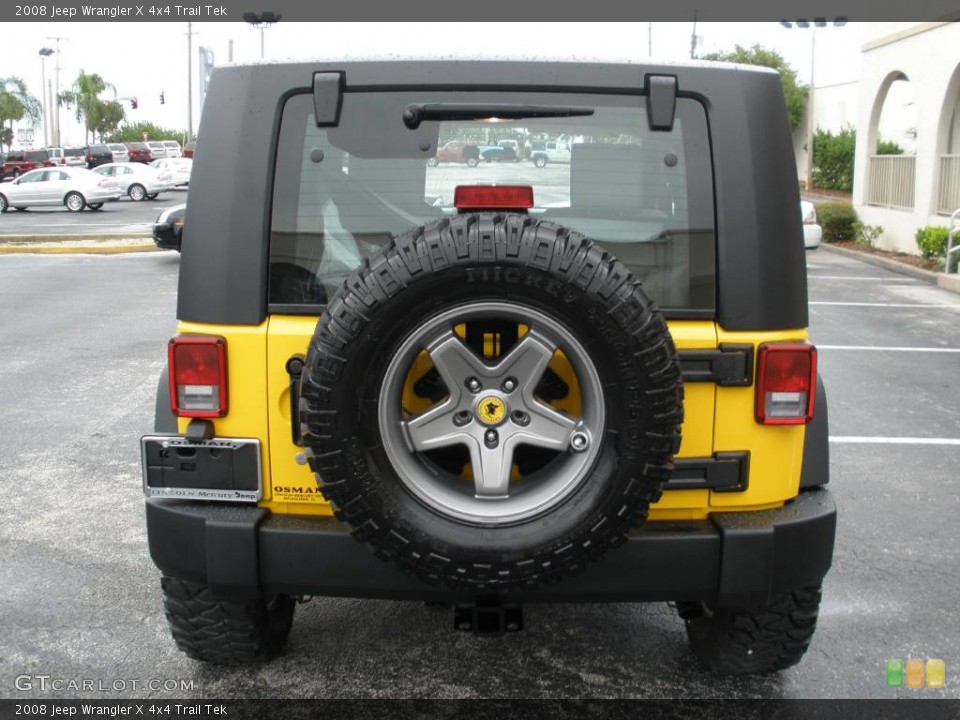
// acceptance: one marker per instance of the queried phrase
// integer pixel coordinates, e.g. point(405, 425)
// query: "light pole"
point(818, 22)
point(44, 54)
point(56, 96)
point(263, 21)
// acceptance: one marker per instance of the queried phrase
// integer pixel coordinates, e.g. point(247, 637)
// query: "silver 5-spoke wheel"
point(492, 450)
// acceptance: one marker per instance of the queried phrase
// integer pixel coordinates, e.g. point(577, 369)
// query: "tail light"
point(198, 376)
point(811, 217)
point(493, 197)
point(786, 383)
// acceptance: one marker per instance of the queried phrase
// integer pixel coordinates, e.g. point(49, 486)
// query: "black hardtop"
point(761, 271)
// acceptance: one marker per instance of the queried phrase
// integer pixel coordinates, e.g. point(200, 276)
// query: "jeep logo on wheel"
point(492, 410)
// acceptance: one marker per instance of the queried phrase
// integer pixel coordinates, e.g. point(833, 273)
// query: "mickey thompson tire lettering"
point(495, 258)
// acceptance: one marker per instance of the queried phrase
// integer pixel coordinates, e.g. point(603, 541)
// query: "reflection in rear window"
point(340, 194)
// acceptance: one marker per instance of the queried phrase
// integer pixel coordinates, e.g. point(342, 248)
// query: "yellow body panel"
point(776, 451)
point(717, 419)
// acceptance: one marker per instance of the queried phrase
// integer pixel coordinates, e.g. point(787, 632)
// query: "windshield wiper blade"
point(414, 115)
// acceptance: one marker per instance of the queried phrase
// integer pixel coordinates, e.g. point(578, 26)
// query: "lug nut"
point(473, 385)
point(521, 418)
point(462, 418)
point(509, 385)
point(579, 441)
point(491, 438)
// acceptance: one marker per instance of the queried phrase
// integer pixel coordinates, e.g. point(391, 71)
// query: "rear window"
point(136, 146)
point(340, 194)
point(99, 150)
point(37, 155)
point(73, 152)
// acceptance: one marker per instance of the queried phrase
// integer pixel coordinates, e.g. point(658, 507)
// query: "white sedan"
point(812, 232)
point(137, 180)
point(179, 168)
point(75, 188)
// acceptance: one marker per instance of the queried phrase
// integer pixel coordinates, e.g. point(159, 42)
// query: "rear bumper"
point(732, 559)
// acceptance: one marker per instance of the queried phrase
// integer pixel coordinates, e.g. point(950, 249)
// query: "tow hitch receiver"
point(488, 616)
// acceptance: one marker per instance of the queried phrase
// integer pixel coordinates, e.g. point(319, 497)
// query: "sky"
point(144, 59)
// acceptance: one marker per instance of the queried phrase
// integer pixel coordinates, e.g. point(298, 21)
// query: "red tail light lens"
point(198, 376)
point(786, 383)
point(493, 197)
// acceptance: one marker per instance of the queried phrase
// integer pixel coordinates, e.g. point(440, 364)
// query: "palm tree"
point(84, 96)
point(16, 103)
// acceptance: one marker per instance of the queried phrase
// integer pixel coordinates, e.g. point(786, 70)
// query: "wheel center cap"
point(491, 410)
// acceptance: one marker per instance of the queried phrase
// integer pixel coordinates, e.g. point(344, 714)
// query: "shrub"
point(932, 242)
point(837, 220)
point(888, 147)
point(833, 159)
point(866, 234)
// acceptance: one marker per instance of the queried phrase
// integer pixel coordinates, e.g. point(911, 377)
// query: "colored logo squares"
point(911, 674)
point(936, 673)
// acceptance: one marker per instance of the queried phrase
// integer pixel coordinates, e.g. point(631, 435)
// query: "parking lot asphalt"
point(84, 341)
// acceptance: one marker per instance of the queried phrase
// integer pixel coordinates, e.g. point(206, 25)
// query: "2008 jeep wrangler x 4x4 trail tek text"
point(496, 385)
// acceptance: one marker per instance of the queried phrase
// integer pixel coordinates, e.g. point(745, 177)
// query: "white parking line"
point(888, 349)
point(849, 439)
point(887, 305)
point(860, 278)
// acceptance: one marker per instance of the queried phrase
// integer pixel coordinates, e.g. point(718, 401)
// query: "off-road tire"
point(735, 641)
point(447, 264)
point(225, 632)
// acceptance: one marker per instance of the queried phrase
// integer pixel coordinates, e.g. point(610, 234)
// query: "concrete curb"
point(87, 243)
point(879, 261)
point(949, 282)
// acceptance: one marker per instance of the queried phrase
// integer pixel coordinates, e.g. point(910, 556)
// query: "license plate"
point(225, 469)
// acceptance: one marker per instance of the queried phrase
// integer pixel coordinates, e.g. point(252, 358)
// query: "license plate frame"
point(221, 469)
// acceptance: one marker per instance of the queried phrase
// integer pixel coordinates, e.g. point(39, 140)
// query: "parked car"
point(139, 152)
point(490, 396)
point(812, 232)
point(18, 162)
point(139, 181)
point(499, 153)
point(120, 153)
point(75, 188)
point(179, 168)
point(168, 230)
point(173, 149)
point(549, 151)
point(56, 154)
point(157, 149)
point(189, 149)
point(75, 157)
point(97, 155)
point(457, 151)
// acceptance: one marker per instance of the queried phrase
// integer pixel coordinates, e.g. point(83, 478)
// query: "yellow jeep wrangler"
point(486, 386)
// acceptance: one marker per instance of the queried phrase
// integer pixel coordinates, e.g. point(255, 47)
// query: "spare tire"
point(491, 402)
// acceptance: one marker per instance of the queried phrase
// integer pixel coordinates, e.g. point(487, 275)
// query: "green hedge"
point(932, 242)
point(838, 221)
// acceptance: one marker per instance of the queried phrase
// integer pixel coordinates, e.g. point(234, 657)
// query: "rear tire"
point(74, 202)
point(137, 192)
point(95, 206)
point(4, 206)
point(225, 632)
point(472, 162)
point(540, 161)
point(736, 641)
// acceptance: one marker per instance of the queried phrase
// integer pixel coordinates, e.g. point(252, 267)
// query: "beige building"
point(909, 93)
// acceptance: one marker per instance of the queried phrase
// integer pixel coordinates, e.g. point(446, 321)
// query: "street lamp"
point(44, 54)
point(56, 97)
point(263, 21)
point(818, 22)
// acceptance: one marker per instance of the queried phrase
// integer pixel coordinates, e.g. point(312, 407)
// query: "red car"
point(189, 148)
point(457, 151)
point(17, 162)
point(139, 152)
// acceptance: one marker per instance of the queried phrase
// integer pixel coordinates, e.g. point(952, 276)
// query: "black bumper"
point(732, 559)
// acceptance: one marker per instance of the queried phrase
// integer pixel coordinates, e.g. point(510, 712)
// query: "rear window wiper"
point(414, 115)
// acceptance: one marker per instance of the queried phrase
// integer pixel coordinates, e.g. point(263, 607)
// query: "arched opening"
point(948, 149)
point(892, 143)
